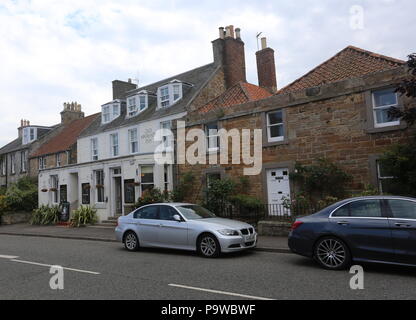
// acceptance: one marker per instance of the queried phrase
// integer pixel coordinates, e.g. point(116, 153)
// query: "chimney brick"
point(120, 89)
point(266, 69)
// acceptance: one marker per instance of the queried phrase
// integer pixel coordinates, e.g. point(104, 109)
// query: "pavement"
point(105, 270)
point(106, 234)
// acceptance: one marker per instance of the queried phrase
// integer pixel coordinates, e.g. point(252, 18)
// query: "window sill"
point(386, 128)
point(276, 143)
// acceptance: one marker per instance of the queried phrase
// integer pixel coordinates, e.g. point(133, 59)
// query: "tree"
point(407, 88)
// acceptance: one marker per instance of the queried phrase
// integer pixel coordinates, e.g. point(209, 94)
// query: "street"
point(99, 270)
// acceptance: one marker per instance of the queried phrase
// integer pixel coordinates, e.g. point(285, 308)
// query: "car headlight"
point(229, 232)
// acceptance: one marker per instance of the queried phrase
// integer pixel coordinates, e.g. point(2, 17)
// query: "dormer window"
point(110, 112)
point(29, 135)
point(169, 94)
point(137, 104)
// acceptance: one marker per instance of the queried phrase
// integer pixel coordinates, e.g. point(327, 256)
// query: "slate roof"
point(197, 77)
point(66, 138)
point(241, 92)
point(348, 63)
point(17, 145)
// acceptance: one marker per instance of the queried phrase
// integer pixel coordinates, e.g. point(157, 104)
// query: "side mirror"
point(176, 217)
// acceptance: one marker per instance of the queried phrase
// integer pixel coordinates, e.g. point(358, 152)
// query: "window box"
point(99, 186)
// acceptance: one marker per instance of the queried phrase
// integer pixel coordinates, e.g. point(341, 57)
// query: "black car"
point(378, 229)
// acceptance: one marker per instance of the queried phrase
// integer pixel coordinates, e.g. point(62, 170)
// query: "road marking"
point(8, 257)
point(220, 292)
point(50, 265)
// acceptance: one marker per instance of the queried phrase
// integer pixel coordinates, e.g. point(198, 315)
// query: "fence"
point(265, 212)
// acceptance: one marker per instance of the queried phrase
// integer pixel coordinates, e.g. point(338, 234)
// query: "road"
point(99, 270)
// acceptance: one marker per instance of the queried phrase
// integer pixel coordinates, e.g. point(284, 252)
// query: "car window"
point(194, 212)
point(167, 213)
point(403, 209)
point(147, 213)
point(366, 209)
point(342, 212)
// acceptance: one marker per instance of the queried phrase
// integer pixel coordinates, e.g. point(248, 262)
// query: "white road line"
point(50, 265)
point(8, 257)
point(220, 292)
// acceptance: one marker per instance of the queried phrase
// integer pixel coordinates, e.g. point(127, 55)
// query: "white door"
point(278, 188)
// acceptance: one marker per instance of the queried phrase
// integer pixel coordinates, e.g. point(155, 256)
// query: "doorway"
point(118, 197)
point(278, 188)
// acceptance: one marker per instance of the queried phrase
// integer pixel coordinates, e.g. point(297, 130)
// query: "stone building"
point(337, 111)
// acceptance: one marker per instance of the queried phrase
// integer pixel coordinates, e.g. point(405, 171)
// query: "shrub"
point(22, 195)
point(83, 215)
point(152, 196)
point(368, 191)
point(45, 215)
point(247, 204)
point(218, 194)
point(184, 188)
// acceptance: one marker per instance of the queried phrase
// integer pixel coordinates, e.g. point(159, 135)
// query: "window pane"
point(365, 208)
point(86, 193)
point(342, 212)
point(403, 209)
point(275, 117)
point(276, 131)
point(147, 174)
point(382, 116)
point(166, 213)
point(385, 98)
point(147, 213)
point(129, 191)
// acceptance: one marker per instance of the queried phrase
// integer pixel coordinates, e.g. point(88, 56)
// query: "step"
point(109, 222)
point(113, 218)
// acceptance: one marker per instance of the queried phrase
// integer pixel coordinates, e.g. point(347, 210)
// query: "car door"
point(172, 234)
point(403, 228)
point(147, 222)
point(365, 227)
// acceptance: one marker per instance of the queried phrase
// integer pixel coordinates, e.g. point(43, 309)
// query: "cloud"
point(55, 51)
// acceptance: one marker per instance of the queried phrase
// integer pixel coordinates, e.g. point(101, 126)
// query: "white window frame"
point(113, 145)
point(377, 108)
point(94, 151)
point(210, 136)
point(380, 178)
point(132, 109)
point(115, 110)
point(23, 161)
point(167, 137)
point(13, 163)
point(96, 180)
point(3, 166)
point(55, 185)
point(269, 125)
point(28, 137)
point(141, 175)
point(42, 163)
point(170, 96)
point(131, 141)
point(58, 160)
point(106, 112)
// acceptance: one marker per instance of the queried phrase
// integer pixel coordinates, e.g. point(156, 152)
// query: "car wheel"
point(332, 254)
point(131, 241)
point(208, 246)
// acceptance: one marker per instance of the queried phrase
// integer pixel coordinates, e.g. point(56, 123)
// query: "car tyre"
point(332, 254)
point(208, 246)
point(131, 241)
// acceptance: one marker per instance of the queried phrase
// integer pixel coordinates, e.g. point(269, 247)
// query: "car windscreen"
point(194, 212)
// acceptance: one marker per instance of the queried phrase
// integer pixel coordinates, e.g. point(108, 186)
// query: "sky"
point(56, 51)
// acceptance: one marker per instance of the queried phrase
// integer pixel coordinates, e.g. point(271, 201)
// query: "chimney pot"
point(263, 43)
point(221, 31)
point(238, 33)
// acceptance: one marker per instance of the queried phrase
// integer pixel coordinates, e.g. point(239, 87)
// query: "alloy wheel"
point(208, 246)
point(131, 241)
point(331, 253)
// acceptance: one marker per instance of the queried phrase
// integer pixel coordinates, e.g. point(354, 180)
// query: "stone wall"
point(9, 218)
point(327, 122)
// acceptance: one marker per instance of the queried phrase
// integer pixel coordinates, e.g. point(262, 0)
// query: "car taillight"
point(296, 225)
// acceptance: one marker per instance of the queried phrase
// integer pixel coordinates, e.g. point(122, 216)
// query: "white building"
point(116, 152)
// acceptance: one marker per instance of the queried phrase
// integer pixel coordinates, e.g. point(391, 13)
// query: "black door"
point(403, 229)
point(365, 227)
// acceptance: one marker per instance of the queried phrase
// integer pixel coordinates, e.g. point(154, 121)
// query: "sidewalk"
point(106, 234)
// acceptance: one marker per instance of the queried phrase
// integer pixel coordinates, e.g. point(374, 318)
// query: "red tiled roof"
point(66, 138)
point(348, 63)
point(240, 93)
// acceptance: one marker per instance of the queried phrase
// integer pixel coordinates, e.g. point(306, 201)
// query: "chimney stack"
point(120, 89)
point(72, 111)
point(229, 53)
point(266, 68)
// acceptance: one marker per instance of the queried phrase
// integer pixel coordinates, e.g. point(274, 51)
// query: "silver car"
point(184, 226)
